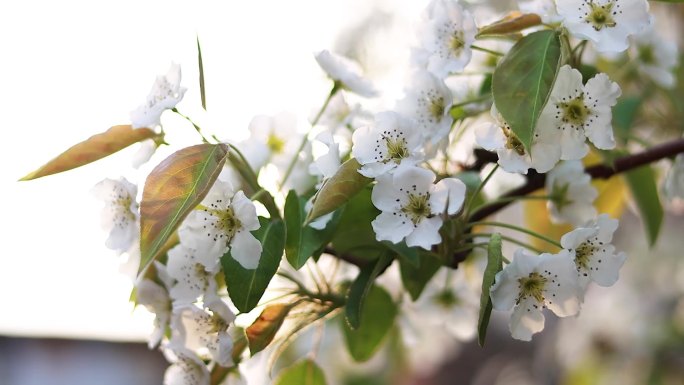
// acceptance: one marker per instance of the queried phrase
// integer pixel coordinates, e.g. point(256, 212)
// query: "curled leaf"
point(96, 147)
point(175, 187)
point(261, 332)
point(338, 190)
point(512, 23)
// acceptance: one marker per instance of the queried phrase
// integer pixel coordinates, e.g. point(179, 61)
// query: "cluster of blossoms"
point(195, 322)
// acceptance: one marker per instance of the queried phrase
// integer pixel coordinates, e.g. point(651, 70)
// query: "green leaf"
point(494, 265)
point(472, 181)
point(415, 278)
point(339, 189)
point(523, 81)
point(377, 318)
point(261, 332)
point(303, 241)
point(404, 252)
point(642, 183)
point(173, 189)
point(356, 296)
point(624, 115)
point(201, 75)
point(96, 147)
point(512, 23)
point(245, 286)
point(302, 373)
point(486, 86)
point(355, 233)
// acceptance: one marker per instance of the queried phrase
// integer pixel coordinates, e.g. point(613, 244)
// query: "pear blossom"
point(165, 94)
point(413, 206)
point(655, 57)
point(446, 34)
point(195, 275)
point(324, 167)
point(206, 333)
point(594, 255)
point(544, 8)
point(155, 297)
point(427, 101)
point(224, 222)
point(187, 368)
point(531, 283)
point(513, 157)
point(119, 215)
point(345, 72)
point(674, 182)
point(607, 23)
point(145, 151)
point(390, 142)
point(571, 192)
point(579, 112)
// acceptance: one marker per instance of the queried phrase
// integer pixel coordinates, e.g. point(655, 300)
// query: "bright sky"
point(71, 69)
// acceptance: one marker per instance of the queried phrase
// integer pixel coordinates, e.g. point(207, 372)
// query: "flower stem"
point(336, 87)
point(470, 101)
point(516, 228)
point(505, 238)
point(197, 128)
point(466, 212)
point(489, 51)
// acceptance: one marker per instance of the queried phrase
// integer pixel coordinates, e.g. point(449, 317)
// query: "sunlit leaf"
point(246, 286)
point(642, 183)
point(303, 373)
point(494, 265)
point(96, 147)
point(415, 278)
point(355, 233)
point(261, 332)
point(515, 22)
point(173, 189)
point(523, 81)
point(356, 296)
point(377, 318)
point(339, 189)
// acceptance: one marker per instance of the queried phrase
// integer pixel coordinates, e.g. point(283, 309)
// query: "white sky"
point(70, 69)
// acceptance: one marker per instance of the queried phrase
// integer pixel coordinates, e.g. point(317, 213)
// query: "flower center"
point(574, 111)
point(559, 195)
point(646, 55)
point(512, 141)
point(275, 143)
point(531, 286)
point(396, 148)
point(418, 207)
point(124, 201)
point(582, 254)
point(456, 42)
point(436, 107)
point(227, 222)
point(600, 16)
point(445, 299)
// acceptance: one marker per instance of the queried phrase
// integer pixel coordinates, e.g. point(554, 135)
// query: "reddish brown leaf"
point(175, 187)
point(96, 147)
point(512, 23)
point(262, 331)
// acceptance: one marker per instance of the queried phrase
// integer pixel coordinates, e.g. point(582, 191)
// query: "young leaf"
point(175, 187)
point(494, 265)
point(356, 296)
point(338, 190)
point(415, 278)
point(96, 147)
point(201, 75)
point(523, 80)
point(511, 24)
point(642, 183)
point(355, 233)
point(377, 318)
point(303, 241)
point(303, 373)
point(261, 332)
point(245, 286)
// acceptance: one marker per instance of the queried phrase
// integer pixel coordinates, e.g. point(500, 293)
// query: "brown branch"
point(536, 181)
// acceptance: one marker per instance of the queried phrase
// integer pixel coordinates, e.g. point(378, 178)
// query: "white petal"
point(604, 266)
point(447, 190)
point(245, 211)
point(526, 320)
point(391, 226)
point(490, 136)
point(426, 233)
point(562, 292)
point(246, 249)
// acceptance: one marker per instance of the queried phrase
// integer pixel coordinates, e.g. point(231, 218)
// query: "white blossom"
point(390, 142)
point(655, 57)
point(205, 333)
point(345, 71)
point(607, 23)
point(594, 255)
point(165, 94)
point(119, 215)
point(427, 101)
point(412, 206)
point(145, 151)
point(674, 182)
point(324, 167)
point(187, 368)
point(513, 157)
point(531, 283)
point(544, 8)
point(579, 112)
point(224, 222)
point(195, 275)
point(155, 298)
point(571, 193)
point(446, 34)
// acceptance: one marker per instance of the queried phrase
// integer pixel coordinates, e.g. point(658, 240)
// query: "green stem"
point(477, 191)
point(197, 128)
point(505, 238)
point(516, 228)
point(336, 87)
point(489, 51)
point(471, 246)
point(470, 101)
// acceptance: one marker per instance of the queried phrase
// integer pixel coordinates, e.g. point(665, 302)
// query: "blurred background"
point(74, 68)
